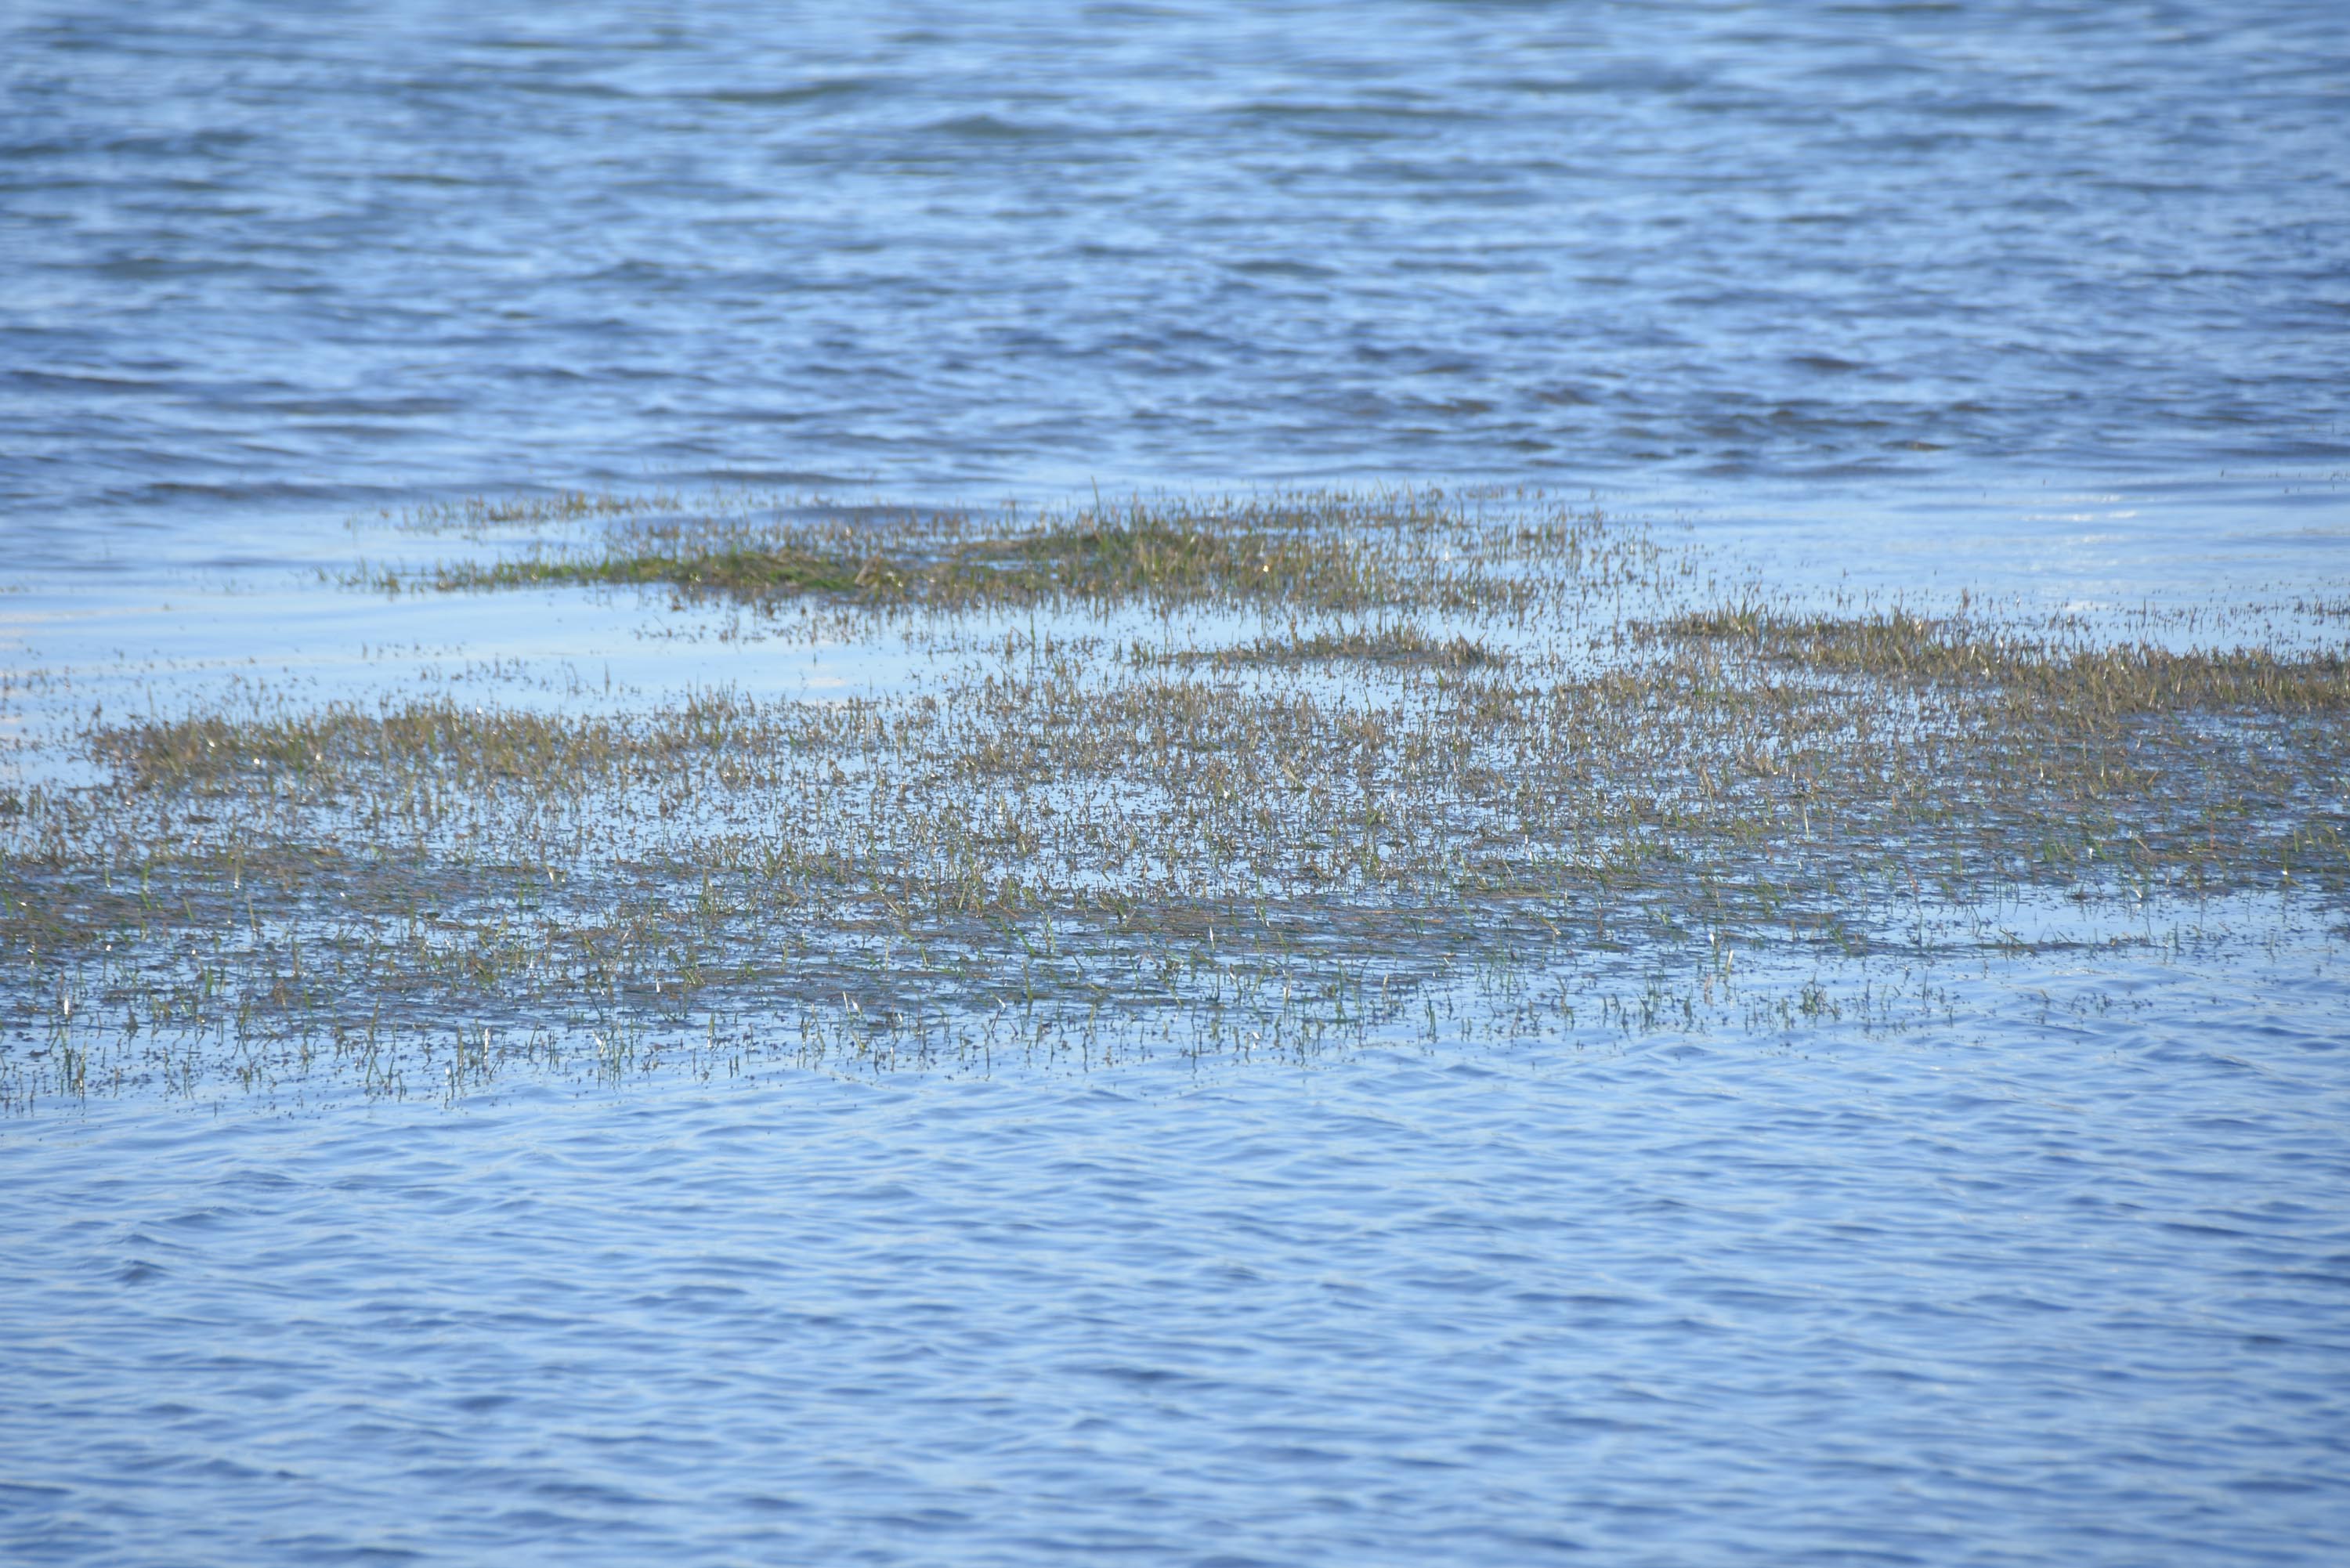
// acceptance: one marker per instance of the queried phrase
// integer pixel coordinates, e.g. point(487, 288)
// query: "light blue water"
point(2047, 295)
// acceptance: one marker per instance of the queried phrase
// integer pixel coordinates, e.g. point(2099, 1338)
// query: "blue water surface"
point(2043, 294)
point(282, 262)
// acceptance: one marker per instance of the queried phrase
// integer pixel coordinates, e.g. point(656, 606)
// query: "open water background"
point(2058, 292)
point(269, 265)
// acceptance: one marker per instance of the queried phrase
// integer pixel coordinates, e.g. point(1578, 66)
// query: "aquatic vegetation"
point(1322, 552)
point(473, 515)
point(1287, 815)
point(1385, 644)
point(2125, 677)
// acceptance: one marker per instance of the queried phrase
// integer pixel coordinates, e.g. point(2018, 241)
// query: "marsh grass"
point(476, 516)
point(1391, 645)
point(1600, 778)
point(2068, 670)
point(1323, 553)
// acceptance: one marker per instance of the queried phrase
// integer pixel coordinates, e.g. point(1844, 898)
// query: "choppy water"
point(2051, 294)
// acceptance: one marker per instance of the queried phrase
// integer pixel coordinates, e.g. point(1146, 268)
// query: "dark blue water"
point(287, 261)
point(2050, 291)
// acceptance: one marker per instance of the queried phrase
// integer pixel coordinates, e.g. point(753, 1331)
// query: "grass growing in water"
point(1603, 767)
point(1320, 553)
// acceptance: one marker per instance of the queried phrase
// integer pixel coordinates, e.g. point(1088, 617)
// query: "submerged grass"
point(1392, 645)
point(1599, 777)
point(1323, 553)
point(1900, 646)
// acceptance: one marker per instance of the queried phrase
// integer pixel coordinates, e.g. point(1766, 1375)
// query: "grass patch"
point(1325, 554)
point(1551, 772)
point(1898, 645)
point(1391, 645)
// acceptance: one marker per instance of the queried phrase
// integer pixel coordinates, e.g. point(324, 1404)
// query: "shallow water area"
point(2064, 1288)
point(2111, 552)
point(277, 645)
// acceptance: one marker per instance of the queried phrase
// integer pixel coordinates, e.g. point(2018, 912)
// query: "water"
point(2048, 297)
point(2007, 1292)
point(279, 264)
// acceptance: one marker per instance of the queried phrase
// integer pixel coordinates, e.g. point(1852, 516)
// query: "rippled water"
point(2053, 295)
point(2020, 1291)
point(281, 261)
